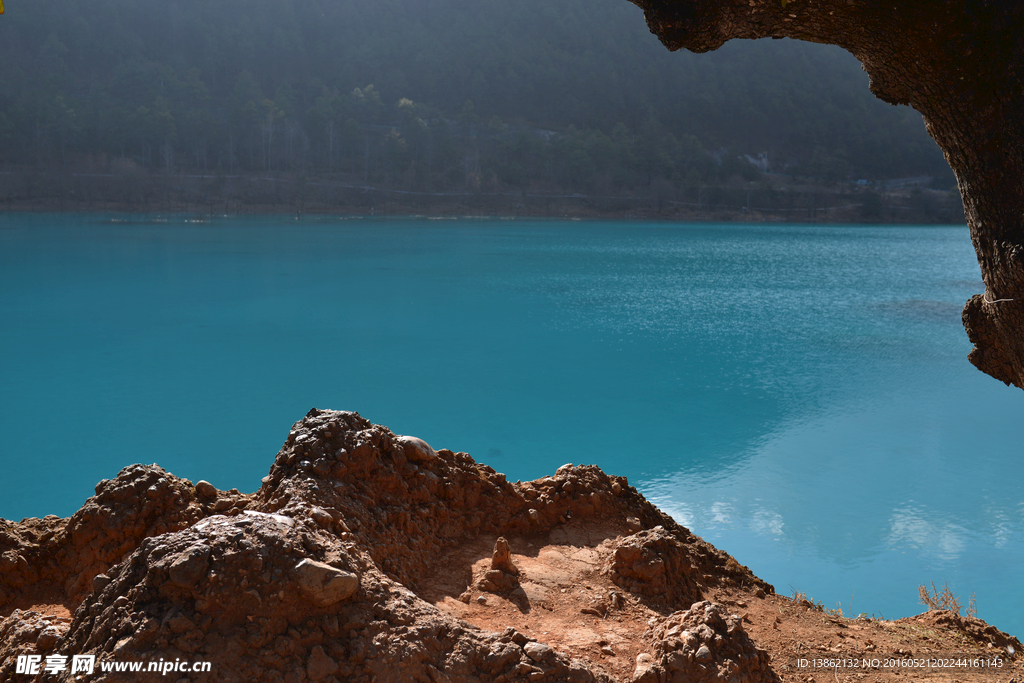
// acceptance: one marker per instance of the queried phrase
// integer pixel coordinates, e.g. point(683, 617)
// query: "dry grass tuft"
point(944, 599)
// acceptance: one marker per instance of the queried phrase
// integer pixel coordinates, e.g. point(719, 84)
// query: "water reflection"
point(876, 495)
point(911, 529)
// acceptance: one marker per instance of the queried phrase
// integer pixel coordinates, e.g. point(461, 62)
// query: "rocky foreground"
point(368, 556)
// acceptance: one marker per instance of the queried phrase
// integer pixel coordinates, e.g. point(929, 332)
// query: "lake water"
point(798, 395)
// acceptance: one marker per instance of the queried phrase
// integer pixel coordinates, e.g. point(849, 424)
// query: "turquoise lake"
point(798, 395)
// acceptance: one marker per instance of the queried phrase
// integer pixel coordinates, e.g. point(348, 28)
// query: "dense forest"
point(571, 96)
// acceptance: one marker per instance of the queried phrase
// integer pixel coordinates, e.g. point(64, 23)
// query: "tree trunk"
point(958, 62)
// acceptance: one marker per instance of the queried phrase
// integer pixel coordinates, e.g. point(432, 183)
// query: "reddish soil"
point(569, 604)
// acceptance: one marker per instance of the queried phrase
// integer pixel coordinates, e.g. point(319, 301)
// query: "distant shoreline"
point(468, 215)
point(31, 190)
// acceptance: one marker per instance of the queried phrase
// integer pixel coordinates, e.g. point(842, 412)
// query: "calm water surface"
point(798, 395)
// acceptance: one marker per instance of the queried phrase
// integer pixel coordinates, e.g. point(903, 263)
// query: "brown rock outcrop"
point(503, 576)
point(66, 554)
point(671, 567)
point(501, 559)
point(314, 577)
point(704, 644)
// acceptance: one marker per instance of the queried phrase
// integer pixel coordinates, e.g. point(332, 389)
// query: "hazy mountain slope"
point(75, 76)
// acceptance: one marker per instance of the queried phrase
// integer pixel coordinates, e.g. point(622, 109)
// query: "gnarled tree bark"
point(958, 62)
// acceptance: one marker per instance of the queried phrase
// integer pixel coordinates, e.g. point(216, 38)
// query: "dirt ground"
point(565, 600)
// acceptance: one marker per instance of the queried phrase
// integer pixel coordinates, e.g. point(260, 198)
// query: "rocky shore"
point(369, 556)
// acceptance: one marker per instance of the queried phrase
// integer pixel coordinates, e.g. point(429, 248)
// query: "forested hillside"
point(433, 95)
